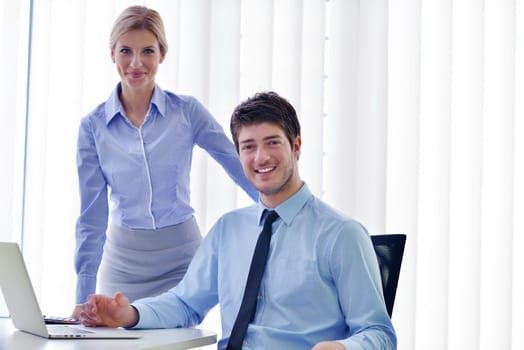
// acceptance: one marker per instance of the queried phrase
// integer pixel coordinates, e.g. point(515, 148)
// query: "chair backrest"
point(390, 250)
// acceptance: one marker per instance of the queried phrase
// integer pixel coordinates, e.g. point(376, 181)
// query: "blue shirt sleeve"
point(187, 304)
point(210, 136)
point(92, 222)
point(355, 272)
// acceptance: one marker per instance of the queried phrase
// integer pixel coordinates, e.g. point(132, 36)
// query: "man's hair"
point(265, 107)
point(139, 18)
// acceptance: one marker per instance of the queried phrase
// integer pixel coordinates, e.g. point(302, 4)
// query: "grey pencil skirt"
point(142, 263)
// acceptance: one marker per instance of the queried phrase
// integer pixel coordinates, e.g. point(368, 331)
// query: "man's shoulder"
point(237, 220)
point(324, 209)
point(324, 214)
point(244, 213)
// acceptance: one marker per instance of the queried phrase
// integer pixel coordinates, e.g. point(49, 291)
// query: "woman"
point(135, 148)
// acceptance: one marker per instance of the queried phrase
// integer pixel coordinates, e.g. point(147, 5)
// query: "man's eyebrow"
point(270, 137)
point(245, 141)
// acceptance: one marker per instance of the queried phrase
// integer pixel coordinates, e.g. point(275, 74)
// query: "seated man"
point(321, 286)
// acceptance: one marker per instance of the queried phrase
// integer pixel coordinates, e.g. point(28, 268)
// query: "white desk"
point(154, 339)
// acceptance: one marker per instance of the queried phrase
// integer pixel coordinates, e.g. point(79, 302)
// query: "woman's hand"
point(76, 311)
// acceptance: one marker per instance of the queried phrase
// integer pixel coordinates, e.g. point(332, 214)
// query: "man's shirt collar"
point(289, 208)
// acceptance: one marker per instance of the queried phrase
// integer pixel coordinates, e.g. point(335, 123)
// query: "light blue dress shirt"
point(321, 282)
point(145, 171)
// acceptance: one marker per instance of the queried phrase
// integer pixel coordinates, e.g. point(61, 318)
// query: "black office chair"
point(389, 250)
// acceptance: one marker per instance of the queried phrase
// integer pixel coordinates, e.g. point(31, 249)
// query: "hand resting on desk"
point(105, 311)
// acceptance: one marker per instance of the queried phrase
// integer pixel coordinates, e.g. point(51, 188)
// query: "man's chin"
point(268, 191)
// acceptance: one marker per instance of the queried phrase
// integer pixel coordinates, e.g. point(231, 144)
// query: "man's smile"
point(264, 170)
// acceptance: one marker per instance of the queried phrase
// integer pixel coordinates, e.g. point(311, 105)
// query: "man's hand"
point(105, 311)
point(329, 345)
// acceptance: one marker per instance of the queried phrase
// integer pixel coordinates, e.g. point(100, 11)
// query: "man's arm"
point(356, 273)
point(106, 311)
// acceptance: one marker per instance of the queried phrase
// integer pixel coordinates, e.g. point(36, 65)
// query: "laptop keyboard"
point(60, 320)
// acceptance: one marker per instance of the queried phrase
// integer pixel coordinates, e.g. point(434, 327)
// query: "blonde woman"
point(134, 158)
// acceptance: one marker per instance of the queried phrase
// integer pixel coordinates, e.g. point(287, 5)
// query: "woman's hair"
point(139, 18)
point(266, 107)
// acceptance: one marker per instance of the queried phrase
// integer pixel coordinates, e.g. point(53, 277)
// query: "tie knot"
point(270, 218)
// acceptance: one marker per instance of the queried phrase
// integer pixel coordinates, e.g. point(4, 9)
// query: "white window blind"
point(412, 120)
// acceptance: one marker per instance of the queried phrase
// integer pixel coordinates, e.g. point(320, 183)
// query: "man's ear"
point(297, 146)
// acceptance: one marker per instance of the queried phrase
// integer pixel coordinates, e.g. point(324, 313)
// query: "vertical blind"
point(412, 119)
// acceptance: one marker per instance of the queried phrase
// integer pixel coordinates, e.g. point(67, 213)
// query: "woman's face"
point(137, 56)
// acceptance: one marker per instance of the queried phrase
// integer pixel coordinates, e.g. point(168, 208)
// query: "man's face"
point(269, 161)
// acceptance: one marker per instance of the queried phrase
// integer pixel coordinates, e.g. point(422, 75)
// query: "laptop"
point(24, 309)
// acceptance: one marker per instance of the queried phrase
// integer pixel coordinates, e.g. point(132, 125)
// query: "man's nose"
point(261, 155)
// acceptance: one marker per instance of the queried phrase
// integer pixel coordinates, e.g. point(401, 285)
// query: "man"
point(321, 287)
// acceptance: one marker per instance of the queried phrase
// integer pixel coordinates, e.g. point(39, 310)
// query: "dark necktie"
point(249, 301)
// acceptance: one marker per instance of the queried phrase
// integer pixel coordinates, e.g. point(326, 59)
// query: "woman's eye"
point(149, 51)
point(124, 51)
